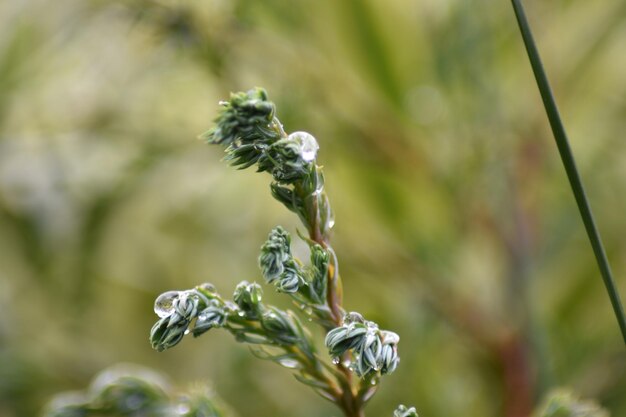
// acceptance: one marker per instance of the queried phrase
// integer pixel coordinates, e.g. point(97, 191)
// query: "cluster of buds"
point(290, 159)
point(247, 126)
point(277, 263)
point(200, 309)
point(287, 274)
point(253, 136)
point(374, 350)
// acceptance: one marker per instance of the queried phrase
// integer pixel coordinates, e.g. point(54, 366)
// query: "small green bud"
point(164, 336)
point(369, 352)
point(320, 259)
point(286, 196)
point(291, 279)
point(278, 326)
point(248, 297)
point(402, 411)
point(209, 318)
point(344, 338)
point(283, 159)
point(274, 253)
point(389, 359)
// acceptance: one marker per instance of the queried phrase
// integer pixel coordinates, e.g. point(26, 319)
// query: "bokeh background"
point(455, 225)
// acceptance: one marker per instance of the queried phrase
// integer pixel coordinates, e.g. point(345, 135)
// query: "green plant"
point(252, 135)
point(125, 390)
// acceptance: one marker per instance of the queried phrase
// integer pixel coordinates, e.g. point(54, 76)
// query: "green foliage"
point(278, 335)
point(456, 229)
point(132, 392)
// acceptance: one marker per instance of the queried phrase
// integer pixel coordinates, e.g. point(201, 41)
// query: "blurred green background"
point(455, 226)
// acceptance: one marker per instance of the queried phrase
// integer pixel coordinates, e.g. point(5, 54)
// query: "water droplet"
point(372, 326)
point(289, 363)
point(374, 381)
point(186, 332)
point(208, 287)
point(336, 360)
point(390, 337)
point(353, 317)
point(164, 304)
point(308, 145)
point(347, 364)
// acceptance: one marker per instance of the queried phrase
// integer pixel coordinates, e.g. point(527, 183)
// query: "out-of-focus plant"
point(561, 403)
point(252, 135)
point(135, 392)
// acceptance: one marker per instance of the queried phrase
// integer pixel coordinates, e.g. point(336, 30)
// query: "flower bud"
point(278, 326)
point(210, 317)
point(248, 297)
point(244, 120)
point(374, 350)
point(320, 260)
point(290, 280)
point(164, 336)
point(283, 159)
point(341, 339)
point(274, 253)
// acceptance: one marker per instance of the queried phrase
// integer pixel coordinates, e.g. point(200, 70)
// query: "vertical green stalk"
point(570, 165)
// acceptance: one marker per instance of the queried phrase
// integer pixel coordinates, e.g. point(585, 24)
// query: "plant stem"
point(569, 164)
point(349, 402)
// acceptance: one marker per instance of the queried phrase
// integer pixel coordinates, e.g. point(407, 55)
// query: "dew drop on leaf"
point(208, 287)
point(336, 360)
point(164, 304)
point(289, 363)
point(308, 145)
